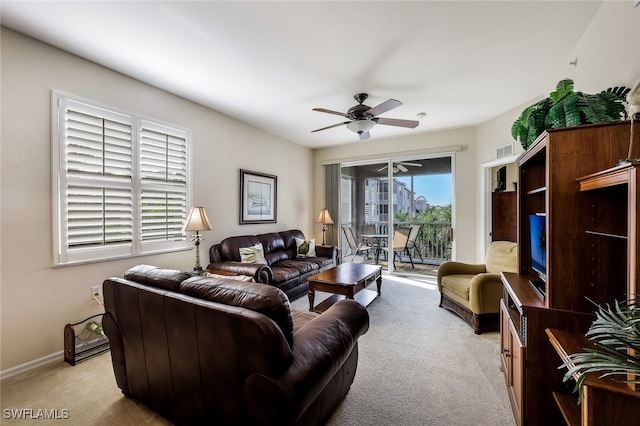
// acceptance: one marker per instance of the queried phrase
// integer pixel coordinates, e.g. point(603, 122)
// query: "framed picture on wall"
point(258, 197)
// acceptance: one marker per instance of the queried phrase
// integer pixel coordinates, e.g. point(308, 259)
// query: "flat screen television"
point(538, 238)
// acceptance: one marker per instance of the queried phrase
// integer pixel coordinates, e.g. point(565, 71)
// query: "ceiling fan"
point(363, 118)
point(400, 166)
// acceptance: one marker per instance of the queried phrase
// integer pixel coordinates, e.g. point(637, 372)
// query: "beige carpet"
point(418, 365)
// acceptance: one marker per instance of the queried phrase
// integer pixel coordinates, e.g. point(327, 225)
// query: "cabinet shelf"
point(607, 234)
point(540, 190)
point(605, 400)
point(568, 407)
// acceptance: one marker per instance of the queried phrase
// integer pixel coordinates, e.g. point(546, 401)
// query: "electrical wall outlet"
point(96, 291)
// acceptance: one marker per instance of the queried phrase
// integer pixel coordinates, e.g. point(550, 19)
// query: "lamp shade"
point(361, 126)
point(197, 220)
point(325, 217)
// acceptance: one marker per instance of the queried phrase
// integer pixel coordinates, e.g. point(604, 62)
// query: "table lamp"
point(197, 221)
point(324, 219)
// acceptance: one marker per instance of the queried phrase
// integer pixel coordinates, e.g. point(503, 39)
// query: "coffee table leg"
point(311, 295)
point(379, 284)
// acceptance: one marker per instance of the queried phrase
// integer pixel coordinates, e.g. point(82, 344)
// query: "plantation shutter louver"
point(98, 180)
point(163, 171)
point(121, 183)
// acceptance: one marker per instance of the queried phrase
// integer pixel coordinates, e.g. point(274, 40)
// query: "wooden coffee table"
point(345, 280)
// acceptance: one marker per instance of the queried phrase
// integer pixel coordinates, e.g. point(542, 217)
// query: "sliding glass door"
point(401, 209)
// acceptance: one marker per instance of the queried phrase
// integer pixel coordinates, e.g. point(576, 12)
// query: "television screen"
point(538, 238)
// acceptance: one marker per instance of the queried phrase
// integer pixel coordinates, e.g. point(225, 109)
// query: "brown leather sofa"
point(202, 350)
point(283, 268)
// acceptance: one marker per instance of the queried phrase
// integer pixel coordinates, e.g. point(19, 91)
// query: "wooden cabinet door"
point(504, 217)
point(516, 390)
point(504, 339)
point(512, 360)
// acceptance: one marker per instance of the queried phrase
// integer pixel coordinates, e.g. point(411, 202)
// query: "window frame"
point(63, 255)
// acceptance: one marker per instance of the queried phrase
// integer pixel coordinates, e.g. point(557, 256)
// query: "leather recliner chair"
point(201, 350)
point(473, 291)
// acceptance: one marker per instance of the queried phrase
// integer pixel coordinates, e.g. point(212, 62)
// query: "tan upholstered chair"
point(473, 291)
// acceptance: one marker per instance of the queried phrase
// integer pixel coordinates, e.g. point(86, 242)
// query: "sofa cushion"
point(502, 256)
point(289, 238)
point(253, 254)
point(305, 248)
point(282, 274)
point(265, 299)
point(166, 279)
point(322, 262)
point(230, 247)
point(301, 265)
point(457, 284)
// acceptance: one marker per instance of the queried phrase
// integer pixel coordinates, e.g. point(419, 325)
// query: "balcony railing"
point(433, 241)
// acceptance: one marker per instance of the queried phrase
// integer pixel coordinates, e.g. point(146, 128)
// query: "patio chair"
point(404, 240)
point(354, 247)
point(369, 230)
point(411, 242)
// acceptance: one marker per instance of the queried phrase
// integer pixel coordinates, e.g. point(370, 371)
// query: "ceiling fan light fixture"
point(361, 126)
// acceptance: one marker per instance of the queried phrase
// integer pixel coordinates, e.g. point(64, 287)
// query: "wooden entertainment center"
point(570, 176)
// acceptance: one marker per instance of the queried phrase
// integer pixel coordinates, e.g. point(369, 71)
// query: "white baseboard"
point(49, 359)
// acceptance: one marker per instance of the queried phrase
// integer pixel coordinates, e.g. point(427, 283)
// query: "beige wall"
point(608, 55)
point(428, 144)
point(38, 300)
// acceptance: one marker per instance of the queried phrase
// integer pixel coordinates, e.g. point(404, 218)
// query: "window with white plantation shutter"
point(163, 167)
point(121, 183)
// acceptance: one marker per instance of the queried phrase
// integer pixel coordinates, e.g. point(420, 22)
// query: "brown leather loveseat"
point(203, 350)
point(283, 268)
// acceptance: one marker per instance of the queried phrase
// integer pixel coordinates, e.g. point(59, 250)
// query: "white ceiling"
point(269, 63)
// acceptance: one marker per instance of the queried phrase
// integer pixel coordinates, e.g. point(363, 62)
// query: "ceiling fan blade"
point(383, 107)
point(401, 167)
point(331, 127)
point(396, 122)
point(411, 164)
point(328, 111)
point(364, 135)
point(382, 168)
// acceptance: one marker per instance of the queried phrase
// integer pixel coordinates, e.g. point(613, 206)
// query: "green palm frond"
point(616, 335)
point(563, 88)
point(615, 100)
point(566, 108)
point(594, 108)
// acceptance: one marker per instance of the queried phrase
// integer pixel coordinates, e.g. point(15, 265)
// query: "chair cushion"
point(265, 299)
point(457, 284)
point(301, 317)
point(502, 256)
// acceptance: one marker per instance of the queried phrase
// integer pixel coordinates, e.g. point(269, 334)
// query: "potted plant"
point(566, 108)
point(616, 335)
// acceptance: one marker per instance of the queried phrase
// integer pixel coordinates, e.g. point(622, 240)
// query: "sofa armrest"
point(260, 272)
point(328, 251)
point(320, 348)
point(485, 292)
